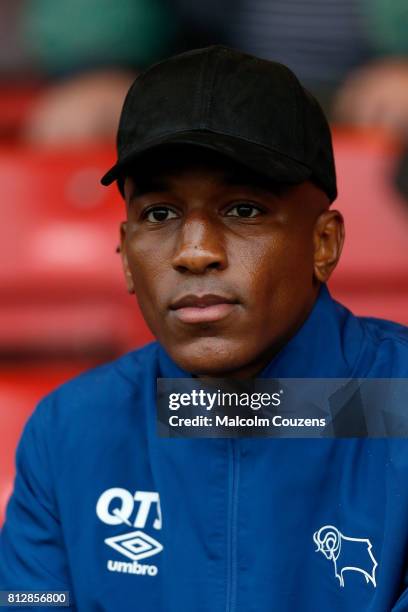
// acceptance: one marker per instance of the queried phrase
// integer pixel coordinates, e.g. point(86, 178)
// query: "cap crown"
point(223, 91)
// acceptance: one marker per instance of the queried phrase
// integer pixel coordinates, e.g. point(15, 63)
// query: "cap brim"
point(263, 160)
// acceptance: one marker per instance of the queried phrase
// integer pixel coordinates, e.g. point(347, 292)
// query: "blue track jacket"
point(127, 521)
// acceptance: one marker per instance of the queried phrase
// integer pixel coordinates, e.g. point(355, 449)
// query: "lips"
point(202, 309)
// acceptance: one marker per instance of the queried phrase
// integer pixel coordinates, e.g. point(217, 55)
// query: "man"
point(226, 166)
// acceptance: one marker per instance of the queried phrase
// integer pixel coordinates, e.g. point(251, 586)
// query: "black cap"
point(252, 110)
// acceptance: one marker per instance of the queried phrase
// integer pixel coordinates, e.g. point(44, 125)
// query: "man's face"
point(222, 262)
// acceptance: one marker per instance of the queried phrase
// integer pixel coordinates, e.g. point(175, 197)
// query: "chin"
point(211, 356)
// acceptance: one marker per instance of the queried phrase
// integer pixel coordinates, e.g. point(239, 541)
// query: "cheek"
point(279, 275)
point(147, 265)
point(283, 258)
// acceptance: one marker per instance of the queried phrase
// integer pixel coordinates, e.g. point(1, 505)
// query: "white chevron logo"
point(135, 545)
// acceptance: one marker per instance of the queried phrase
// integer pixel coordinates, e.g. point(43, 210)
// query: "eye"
point(158, 214)
point(244, 210)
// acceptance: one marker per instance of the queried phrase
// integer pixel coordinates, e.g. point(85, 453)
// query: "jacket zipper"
point(233, 482)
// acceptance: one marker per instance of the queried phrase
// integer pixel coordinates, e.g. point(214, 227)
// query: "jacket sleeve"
point(32, 552)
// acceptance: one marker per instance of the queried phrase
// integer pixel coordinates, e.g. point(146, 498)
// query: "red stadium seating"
point(61, 284)
point(372, 277)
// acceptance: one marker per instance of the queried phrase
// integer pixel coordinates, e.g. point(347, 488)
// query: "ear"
point(123, 254)
point(328, 243)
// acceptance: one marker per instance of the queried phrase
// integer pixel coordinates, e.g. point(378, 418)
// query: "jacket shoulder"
point(389, 341)
point(103, 387)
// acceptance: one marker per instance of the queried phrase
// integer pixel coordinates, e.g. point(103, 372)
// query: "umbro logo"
point(135, 545)
point(117, 506)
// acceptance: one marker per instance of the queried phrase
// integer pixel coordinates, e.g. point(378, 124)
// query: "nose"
point(200, 246)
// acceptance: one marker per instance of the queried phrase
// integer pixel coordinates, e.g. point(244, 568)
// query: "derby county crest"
point(348, 554)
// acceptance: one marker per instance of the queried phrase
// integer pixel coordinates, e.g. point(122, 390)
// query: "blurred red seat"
point(372, 277)
point(60, 278)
